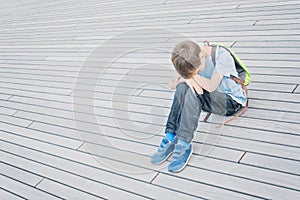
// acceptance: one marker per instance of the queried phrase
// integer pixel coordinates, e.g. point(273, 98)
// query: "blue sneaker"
point(181, 155)
point(164, 151)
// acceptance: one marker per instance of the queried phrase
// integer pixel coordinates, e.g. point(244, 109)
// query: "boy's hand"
point(190, 82)
point(194, 86)
point(175, 81)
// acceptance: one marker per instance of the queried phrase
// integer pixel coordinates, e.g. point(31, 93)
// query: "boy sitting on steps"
point(203, 85)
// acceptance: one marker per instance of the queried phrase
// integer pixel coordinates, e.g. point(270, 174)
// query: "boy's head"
point(185, 57)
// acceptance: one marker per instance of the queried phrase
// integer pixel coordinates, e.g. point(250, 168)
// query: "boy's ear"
point(197, 70)
point(201, 67)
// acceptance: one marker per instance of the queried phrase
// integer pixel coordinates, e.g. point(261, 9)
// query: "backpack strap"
point(214, 50)
point(213, 53)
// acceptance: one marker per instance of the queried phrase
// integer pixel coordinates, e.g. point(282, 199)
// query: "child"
point(202, 85)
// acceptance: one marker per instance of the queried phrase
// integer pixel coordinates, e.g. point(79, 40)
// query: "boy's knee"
point(184, 91)
point(181, 91)
point(182, 87)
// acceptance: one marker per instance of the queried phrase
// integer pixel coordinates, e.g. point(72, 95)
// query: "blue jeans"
point(187, 106)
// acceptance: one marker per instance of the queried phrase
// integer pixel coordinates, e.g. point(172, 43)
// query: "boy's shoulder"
point(223, 53)
point(224, 58)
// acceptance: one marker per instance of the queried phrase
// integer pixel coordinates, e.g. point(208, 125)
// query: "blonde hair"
point(185, 58)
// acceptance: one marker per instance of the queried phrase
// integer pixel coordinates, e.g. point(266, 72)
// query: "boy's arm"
point(198, 83)
point(195, 87)
point(211, 84)
point(190, 82)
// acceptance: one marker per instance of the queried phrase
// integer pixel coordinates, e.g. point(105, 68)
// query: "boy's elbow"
point(211, 89)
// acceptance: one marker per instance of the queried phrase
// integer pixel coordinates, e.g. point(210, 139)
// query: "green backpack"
point(241, 68)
